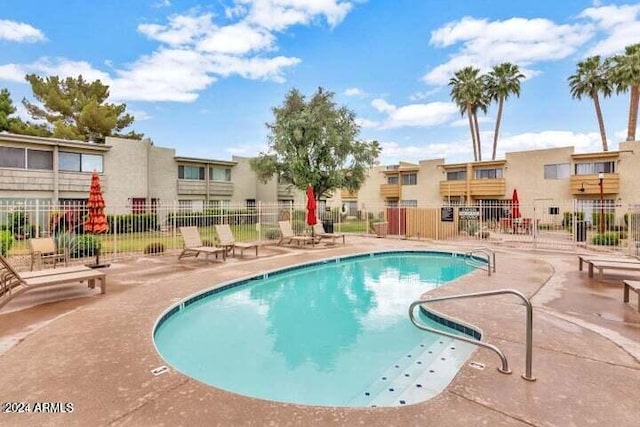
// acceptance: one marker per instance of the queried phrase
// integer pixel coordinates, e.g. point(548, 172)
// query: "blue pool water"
point(335, 333)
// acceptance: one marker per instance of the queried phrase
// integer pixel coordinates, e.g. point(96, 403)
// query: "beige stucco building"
point(134, 174)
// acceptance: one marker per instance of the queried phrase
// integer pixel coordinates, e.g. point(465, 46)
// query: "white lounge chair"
point(193, 245)
point(287, 234)
point(318, 230)
point(228, 242)
point(13, 284)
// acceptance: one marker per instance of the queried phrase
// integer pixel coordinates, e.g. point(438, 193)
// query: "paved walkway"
point(96, 352)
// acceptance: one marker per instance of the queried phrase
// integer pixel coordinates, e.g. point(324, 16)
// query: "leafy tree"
point(590, 79)
point(469, 93)
point(502, 81)
point(15, 124)
point(315, 142)
point(77, 109)
point(6, 109)
point(625, 75)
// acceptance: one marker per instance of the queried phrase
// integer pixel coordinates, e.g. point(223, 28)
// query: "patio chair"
point(13, 284)
point(287, 234)
point(318, 230)
point(43, 251)
point(228, 242)
point(193, 245)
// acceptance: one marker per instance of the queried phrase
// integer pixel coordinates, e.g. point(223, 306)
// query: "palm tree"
point(502, 81)
point(625, 75)
point(590, 79)
point(467, 91)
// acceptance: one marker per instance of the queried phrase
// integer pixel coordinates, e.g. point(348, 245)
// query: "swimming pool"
point(332, 333)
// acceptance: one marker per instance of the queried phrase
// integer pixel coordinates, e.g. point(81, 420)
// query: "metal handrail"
point(488, 252)
point(505, 365)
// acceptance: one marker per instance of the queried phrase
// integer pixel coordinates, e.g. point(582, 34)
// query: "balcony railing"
point(390, 191)
point(590, 184)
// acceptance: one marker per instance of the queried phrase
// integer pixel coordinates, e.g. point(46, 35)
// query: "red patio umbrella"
point(96, 221)
point(515, 205)
point(311, 207)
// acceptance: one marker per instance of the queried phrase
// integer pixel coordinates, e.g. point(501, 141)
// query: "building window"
point(11, 157)
point(217, 173)
point(80, 162)
point(457, 175)
point(409, 203)
point(39, 159)
point(595, 167)
point(219, 204)
point(351, 207)
point(392, 179)
point(489, 173)
point(558, 171)
point(191, 172)
point(410, 179)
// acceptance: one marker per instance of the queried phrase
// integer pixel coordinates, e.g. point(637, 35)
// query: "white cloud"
point(354, 91)
point(382, 105)
point(619, 23)
point(415, 115)
point(518, 40)
point(181, 30)
point(12, 73)
point(392, 152)
point(277, 15)
point(237, 39)
point(422, 95)
point(582, 142)
point(370, 124)
point(140, 115)
point(20, 32)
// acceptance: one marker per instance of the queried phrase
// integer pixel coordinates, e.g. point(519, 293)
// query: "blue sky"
point(202, 77)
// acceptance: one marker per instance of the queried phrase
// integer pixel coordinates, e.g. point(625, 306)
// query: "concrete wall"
point(163, 174)
point(525, 172)
point(127, 167)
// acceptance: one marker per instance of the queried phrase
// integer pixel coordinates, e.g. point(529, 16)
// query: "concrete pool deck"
point(96, 352)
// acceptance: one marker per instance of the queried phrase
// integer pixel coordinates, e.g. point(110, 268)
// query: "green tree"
point(590, 79)
point(469, 93)
point(503, 80)
point(625, 75)
point(77, 109)
point(15, 124)
point(6, 109)
point(315, 142)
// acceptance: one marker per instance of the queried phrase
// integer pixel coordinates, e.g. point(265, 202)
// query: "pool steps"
point(417, 376)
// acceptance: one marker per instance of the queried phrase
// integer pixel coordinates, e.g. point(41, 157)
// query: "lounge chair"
point(13, 284)
point(318, 230)
point(228, 242)
point(193, 245)
point(287, 234)
point(43, 251)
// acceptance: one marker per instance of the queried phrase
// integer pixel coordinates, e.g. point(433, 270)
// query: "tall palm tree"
point(467, 91)
point(502, 81)
point(625, 75)
point(590, 79)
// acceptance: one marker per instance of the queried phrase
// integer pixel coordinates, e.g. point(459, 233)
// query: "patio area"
point(73, 345)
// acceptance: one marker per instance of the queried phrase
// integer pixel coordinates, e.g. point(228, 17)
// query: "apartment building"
point(134, 175)
point(543, 178)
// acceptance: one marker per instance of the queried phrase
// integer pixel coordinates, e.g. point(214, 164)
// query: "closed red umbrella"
point(515, 205)
point(96, 221)
point(311, 206)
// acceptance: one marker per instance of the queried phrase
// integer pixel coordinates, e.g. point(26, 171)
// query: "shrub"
point(606, 239)
point(609, 221)
point(6, 241)
point(209, 243)
point(272, 233)
point(84, 245)
point(20, 225)
point(298, 226)
point(64, 240)
point(154, 248)
point(132, 223)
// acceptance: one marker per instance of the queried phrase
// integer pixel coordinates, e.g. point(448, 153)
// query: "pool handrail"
point(488, 252)
point(505, 365)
